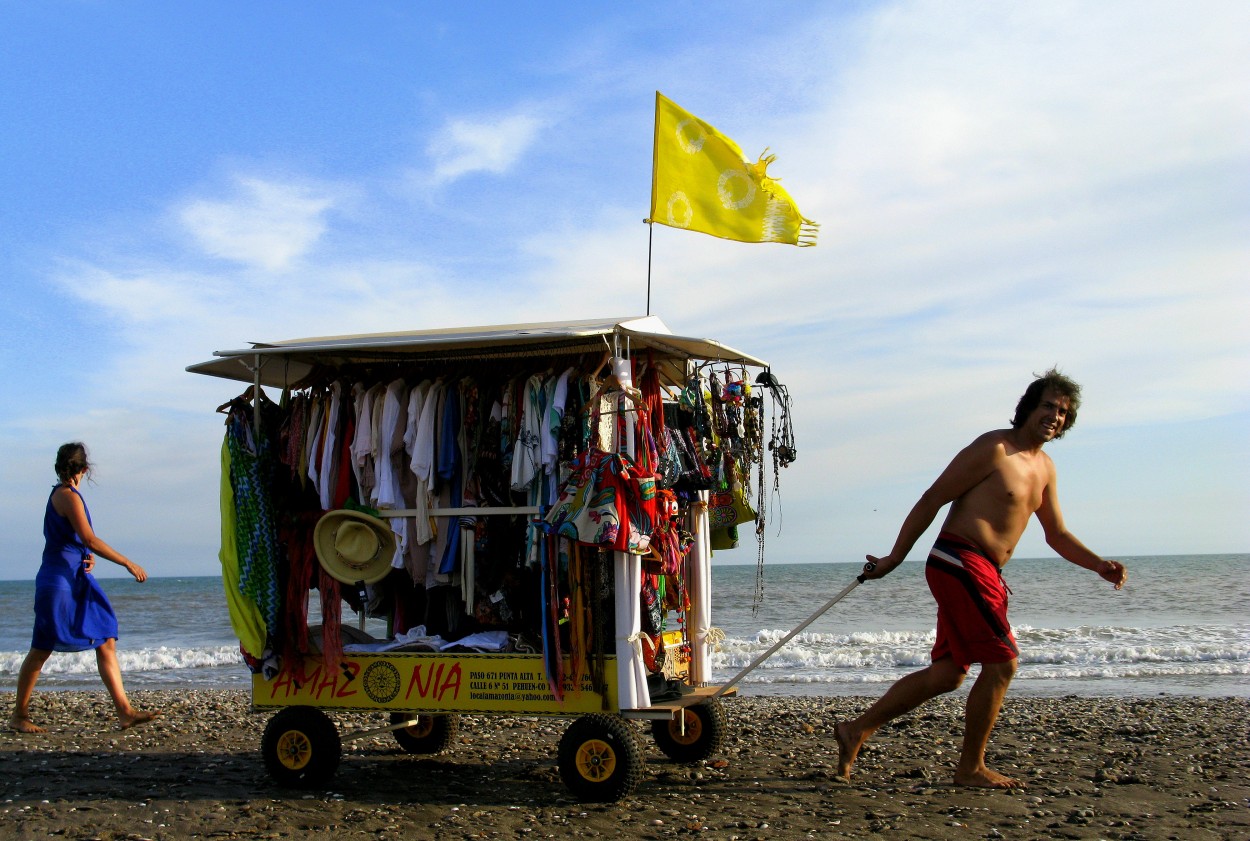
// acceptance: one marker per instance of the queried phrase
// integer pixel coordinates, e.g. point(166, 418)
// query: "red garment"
point(301, 567)
point(653, 396)
point(343, 485)
point(972, 604)
point(331, 620)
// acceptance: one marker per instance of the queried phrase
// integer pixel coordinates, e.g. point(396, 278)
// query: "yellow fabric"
point(701, 181)
point(245, 616)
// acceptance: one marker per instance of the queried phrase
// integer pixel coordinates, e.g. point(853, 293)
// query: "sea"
point(1181, 626)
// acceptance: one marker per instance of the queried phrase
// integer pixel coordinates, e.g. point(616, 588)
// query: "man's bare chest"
point(1019, 482)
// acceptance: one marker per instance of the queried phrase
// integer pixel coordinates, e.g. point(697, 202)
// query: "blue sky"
point(1000, 188)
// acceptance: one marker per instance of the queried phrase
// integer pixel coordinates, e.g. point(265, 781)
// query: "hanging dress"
point(71, 611)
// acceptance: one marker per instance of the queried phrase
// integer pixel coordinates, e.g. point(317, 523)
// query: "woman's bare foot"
point(23, 724)
point(985, 778)
point(137, 717)
point(848, 747)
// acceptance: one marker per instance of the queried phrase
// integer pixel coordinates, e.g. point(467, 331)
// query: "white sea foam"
point(141, 660)
point(1104, 651)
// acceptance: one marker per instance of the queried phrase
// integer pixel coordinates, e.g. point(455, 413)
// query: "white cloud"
point(266, 224)
point(464, 146)
point(163, 296)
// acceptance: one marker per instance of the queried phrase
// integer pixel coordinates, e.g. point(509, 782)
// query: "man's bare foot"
point(140, 717)
point(23, 724)
point(985, 778)
point(848, 747)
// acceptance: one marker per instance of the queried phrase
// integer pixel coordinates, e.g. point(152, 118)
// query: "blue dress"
point(71, 611)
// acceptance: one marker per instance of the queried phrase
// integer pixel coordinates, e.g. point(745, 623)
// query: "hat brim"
point(341, 570)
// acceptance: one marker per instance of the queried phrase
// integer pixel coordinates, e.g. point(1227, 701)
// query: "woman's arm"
point(69, 505)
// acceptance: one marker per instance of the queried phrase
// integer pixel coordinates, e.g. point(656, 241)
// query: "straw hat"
point(352, 546)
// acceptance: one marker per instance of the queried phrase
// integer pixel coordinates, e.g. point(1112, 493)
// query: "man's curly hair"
point(1062, 385)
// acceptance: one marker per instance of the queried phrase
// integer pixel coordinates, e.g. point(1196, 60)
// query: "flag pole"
point(650, 234)
point(650, 220)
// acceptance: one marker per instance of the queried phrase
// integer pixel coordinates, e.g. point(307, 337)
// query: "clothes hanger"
point(634, 395)
point(248, 395)
point(607, 355)
point(245, 397)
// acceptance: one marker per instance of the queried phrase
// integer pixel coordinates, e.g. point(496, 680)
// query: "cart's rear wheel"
point(695, 734)
point(301, 747)
point(431, 733)
point(599, 758)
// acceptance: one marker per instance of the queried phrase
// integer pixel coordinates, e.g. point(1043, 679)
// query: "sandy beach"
point(1096, 768)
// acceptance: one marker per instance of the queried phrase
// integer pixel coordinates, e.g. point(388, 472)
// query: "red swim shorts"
point(972, 604)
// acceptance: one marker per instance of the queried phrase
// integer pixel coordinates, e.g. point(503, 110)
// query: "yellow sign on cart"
point(434, 683)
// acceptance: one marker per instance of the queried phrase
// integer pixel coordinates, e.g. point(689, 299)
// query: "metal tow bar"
point(859, 579)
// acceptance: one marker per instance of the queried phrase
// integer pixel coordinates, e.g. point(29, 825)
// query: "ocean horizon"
point(1180, 627)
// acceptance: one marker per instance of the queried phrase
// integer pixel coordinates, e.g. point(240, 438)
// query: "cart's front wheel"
point(301, 747)
point(599, 758)
point(695, 734)
point(431, 733)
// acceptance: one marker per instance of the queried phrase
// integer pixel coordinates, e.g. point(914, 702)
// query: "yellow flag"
point(701, 181)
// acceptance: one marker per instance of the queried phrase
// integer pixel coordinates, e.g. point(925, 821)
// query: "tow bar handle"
point(859, 579)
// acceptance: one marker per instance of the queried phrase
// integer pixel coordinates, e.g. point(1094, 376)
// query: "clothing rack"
point(497, 511)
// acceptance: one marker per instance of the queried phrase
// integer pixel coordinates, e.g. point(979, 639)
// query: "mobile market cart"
point(531, 509)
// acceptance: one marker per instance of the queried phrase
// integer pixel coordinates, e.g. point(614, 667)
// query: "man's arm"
point(969, 467)
point(1065, 543)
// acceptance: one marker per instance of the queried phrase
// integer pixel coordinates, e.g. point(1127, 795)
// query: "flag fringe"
point(779, 215)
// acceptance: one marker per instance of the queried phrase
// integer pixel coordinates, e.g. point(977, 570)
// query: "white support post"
point(700, 622)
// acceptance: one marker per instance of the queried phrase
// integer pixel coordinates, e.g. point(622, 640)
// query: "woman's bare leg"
point(111, 674)
point(32, 666)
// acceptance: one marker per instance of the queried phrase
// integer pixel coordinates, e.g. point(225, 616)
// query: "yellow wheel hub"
point(596, 760)
point(693, 728)
point(294, 749)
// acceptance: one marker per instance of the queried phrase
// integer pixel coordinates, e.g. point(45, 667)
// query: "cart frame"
point(424, 693)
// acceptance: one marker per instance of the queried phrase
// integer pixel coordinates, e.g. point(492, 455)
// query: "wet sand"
point(1156, 768)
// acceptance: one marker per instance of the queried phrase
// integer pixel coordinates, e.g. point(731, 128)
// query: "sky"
point(1001, 187)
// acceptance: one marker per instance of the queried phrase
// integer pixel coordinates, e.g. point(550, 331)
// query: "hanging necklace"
point(781, 444)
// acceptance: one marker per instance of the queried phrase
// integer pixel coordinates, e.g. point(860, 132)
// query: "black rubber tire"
point(705, 727)
point(431, 733)
point(599, 758)
point(301, 748)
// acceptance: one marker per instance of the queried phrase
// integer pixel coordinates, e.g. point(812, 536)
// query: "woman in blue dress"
point(71, 611)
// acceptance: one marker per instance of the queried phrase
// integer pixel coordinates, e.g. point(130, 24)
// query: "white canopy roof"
point(288, 362)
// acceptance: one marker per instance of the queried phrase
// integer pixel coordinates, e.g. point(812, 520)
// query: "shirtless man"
point(995, 483)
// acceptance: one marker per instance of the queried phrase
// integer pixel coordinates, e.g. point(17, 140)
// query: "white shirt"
point(393, 403)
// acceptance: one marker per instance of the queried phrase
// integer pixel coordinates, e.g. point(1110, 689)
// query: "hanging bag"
point(590, 505)
point(668, 465)
point(729, 508)
point(642, 485)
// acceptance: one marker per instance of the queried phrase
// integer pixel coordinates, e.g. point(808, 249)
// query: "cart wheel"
point(431, 733)
point(301, 747)
point(704, 726)
point(599, 758)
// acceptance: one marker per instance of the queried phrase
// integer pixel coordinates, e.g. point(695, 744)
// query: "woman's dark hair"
point(71, 459)
point(1032, 397)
